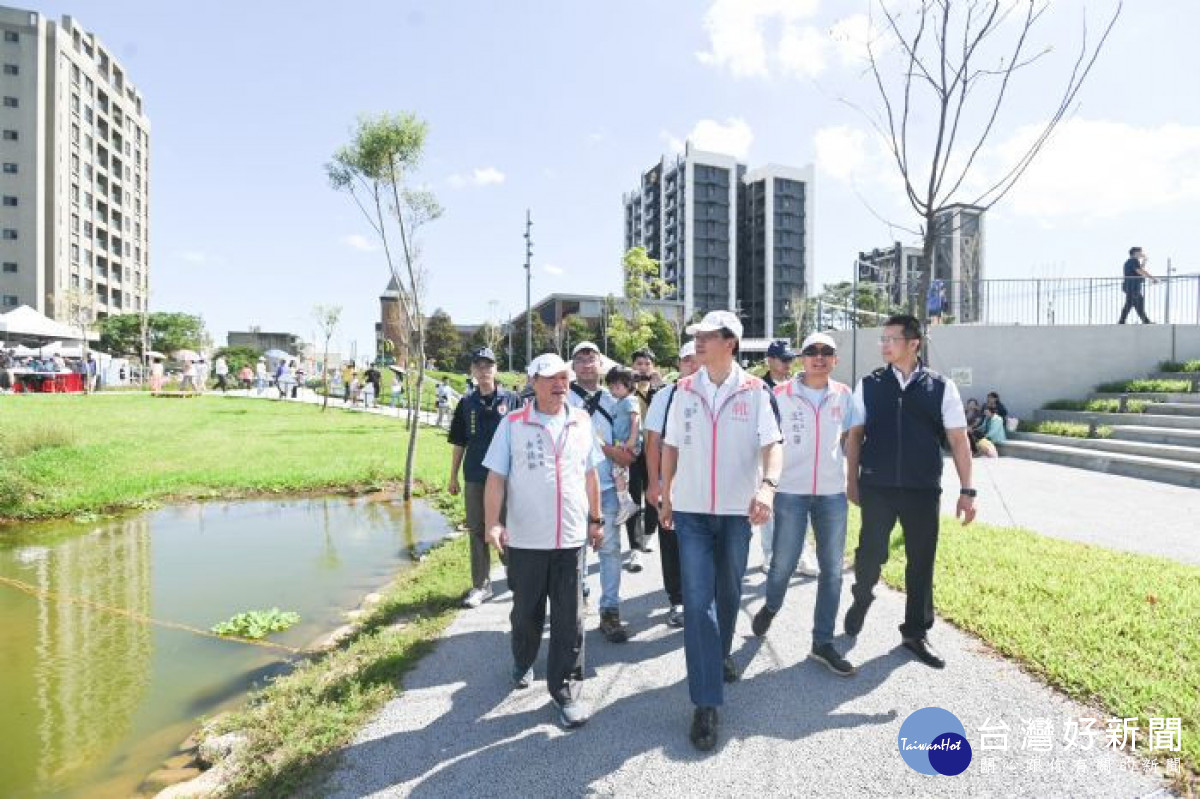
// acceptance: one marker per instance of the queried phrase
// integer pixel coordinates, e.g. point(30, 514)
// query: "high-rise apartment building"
point(76, 171)
point(726, 237)
point(958, 259)
point(894, 272)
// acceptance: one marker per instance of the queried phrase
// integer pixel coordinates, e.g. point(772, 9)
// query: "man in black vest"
point(471, 429)
point(894, 471)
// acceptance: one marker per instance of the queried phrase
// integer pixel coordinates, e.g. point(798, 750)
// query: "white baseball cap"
point(548, 365)
point(717, 320)
point(818, 338)
point(687, 350)
point(584, 345)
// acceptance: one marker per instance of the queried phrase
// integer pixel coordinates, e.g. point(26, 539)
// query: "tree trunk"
point(415, 427)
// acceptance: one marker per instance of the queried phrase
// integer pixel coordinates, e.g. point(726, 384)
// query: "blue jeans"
point(610, 553)
point(828, 513)
point(712, 558)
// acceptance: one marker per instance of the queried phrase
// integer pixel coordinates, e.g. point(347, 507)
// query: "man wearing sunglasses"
point(815, 413)
point(894, 471)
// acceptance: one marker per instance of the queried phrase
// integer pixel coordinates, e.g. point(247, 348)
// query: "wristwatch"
point(595, 520)
point(771, 481)
point(968, 492)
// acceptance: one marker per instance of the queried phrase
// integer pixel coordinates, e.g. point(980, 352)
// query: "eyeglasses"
point(819, 352)
point(885, 340)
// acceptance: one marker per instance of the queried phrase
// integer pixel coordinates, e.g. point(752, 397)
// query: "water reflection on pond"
point(92, 698)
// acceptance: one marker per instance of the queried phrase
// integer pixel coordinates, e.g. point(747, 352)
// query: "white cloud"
point(850, 36)
point(553, 270)
point(737, 32)
point(841, 150)
point(359, 242)
point(731, 137)
point(1100, 169)
point(802, 51)
point(480, 176)
point(194, 257)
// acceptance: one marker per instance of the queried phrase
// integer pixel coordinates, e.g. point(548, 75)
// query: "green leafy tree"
point(634, 329)
point(664, 340)
point(543, 340)
point(239, 356)
point(167, 332)
point(376, 169)
point(442, 342)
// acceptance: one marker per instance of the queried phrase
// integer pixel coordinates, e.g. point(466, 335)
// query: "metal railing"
point(1039, 301)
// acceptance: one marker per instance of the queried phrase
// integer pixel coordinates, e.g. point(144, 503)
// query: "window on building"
point(12, 69)
point(75, 222)
point(87, 84)
point(11, 135)
point(87, 113)
point(11, 301)
point(10, 267)
point(75, 133)
point(75, 103)
point(74, 193)
point(11, 102)
point(74, 163)
point(10, 234)
point(87, 229)
point(74, 253)
point(75, 73)
point(12, 36)
point(10, 200)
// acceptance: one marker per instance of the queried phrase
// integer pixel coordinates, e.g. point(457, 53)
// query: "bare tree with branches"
point(955, 64)
point(327, 318)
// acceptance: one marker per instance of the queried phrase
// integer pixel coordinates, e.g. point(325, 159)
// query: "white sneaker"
point(476, 597)
point(635, 561)
point(808, 565)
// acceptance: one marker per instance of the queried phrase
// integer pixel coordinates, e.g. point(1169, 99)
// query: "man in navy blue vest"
point(894, 471)
point(475, 421)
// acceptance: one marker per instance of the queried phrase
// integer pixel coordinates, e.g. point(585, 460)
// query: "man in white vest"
point(721, 462)
point(544, 457)
point(816, 414)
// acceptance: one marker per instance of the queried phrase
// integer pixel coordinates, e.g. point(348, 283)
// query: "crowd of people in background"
point(13, 367)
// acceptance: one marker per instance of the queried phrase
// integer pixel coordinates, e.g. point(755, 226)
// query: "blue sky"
point(560, 106)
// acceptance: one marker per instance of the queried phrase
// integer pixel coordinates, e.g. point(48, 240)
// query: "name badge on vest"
point(741, 411)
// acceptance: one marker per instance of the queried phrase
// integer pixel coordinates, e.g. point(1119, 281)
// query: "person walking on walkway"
point(443, 396)
point(221, 370)
point(780, 357)
point(641, 527)
point(588, 394)
point(656, 419)
point(720, 467)
point(894, 471)
point(1134, 285)
point(543, 459)
point(815, 413)
point(471, 430)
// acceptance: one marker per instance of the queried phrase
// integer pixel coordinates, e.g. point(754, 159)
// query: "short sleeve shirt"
point(499, 454)
point(953, 415)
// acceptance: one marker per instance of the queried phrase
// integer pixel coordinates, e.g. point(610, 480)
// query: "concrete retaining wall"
point(1029, 366)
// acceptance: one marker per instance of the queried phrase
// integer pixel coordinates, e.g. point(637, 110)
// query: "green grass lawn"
point(72, 454)
point(1118, 631)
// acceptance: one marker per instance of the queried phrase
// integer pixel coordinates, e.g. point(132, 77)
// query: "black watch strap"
point(595, 520)
point(968, 492)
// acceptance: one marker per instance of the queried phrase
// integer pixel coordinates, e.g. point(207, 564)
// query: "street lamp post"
point(528, 281)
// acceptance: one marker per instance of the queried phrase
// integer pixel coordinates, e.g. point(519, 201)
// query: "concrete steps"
point(1157, 435)
point(1193, 376)
point(1147, 419)
point(1176, 452)
point(1150, 397)
point(1177, 408)
point(1161, 470)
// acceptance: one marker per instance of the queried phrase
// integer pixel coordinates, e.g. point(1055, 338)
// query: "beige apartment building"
point(76, 171)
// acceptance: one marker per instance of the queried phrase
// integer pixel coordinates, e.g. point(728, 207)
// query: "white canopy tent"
point(26, 321)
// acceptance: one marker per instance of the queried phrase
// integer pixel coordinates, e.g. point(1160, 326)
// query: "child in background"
point(626, 432)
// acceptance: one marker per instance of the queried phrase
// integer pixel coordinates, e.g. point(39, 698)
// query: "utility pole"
point(528, 282)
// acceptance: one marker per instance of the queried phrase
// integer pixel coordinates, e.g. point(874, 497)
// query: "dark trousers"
point(918, 511)
point(668, 551)
point(644, 523)
point(535, 576)
point(1136, 301)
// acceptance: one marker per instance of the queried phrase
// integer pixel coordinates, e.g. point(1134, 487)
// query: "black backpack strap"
point(591, 404)
point(667, 414)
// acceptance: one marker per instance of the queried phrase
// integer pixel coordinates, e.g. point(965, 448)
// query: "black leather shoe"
point(730, 670)
point(925, 652)
point(704, 728)
point(855, 617)
point(762, 621)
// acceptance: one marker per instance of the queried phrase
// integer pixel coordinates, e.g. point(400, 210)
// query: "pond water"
point(92, 697)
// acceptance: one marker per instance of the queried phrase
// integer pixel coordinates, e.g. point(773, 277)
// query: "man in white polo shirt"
point(816, 413)
point(720, 467)
point(544, 457)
